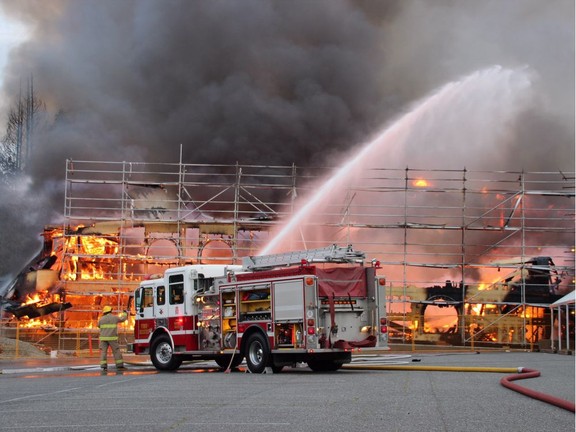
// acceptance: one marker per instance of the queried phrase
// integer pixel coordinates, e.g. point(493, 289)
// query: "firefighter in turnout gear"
point(108, 325)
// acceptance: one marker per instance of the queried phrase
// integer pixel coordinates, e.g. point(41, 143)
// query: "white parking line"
point(40, 395)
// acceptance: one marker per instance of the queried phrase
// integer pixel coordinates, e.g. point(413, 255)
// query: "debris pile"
point(25, 349)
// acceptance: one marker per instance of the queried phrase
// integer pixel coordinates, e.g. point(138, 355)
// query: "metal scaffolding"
point(458, 247)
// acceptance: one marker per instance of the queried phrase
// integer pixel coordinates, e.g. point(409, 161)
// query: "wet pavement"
point(62, 363)
point(396, 391)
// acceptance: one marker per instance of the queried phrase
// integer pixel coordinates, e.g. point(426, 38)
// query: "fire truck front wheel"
point(257, 353)
point(162, 355)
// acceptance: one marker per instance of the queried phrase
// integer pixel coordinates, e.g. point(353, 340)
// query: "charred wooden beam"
point(35, 310)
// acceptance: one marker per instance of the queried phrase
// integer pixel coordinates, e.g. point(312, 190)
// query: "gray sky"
point(12, 33)
point(280, 82)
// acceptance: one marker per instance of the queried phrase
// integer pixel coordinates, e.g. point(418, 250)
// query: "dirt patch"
point(9, 348)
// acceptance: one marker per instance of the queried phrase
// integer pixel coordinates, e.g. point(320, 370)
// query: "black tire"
point(162, 354)
point(257, 353)
point(324, 366)
point(224, 361)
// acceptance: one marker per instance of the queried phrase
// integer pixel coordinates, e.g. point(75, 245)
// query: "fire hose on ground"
point(519, 373)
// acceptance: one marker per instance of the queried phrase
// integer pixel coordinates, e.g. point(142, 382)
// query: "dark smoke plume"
point(267, 82)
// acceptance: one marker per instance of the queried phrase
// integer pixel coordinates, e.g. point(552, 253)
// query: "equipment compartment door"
point(210, 333)
point(289, 300)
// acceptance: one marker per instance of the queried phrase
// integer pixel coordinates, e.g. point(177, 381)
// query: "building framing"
point(428, 228)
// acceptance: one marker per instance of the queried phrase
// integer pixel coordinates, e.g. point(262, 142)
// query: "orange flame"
point(35, 298)
point(98, 245)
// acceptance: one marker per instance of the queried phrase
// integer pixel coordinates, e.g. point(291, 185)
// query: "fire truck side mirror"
point(129, 306)
point(138, 301)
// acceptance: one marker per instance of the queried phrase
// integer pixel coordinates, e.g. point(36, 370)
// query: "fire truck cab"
point(318, 311)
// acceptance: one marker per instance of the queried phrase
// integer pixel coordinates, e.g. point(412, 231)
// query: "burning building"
point(513, 309)
point(509, 250)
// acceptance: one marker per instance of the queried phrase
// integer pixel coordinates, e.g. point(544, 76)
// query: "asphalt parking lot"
point(393, 392)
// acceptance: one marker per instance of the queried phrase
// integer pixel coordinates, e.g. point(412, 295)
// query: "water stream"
point(486, 99)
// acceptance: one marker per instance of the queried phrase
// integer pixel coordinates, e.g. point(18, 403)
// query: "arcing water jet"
point(486, 100)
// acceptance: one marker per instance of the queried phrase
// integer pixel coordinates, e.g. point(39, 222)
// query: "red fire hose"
point(532, 373)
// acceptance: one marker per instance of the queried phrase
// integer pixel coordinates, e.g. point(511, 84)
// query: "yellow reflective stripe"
point(108, 338)
point(107, 325)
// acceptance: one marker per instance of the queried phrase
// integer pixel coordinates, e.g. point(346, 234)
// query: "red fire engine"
point(315, 306)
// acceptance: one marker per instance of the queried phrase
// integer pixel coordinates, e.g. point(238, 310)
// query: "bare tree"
point(17, 145)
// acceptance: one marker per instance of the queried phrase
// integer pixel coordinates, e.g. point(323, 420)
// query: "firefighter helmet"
point(107, 309)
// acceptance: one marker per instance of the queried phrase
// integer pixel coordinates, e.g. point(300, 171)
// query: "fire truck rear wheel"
point(257, 353)
point(162, 355)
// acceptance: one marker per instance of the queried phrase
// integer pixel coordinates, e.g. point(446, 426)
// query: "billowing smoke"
point(270, 82)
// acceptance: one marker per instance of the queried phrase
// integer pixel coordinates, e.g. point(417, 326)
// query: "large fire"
point(82, 275)
point(89, 271)
point(509, 309)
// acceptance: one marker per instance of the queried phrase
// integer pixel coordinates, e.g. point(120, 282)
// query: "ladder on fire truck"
point(332, 254)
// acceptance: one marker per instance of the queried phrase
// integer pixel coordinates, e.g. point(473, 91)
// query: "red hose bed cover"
point(342, 282)
point(332, 282)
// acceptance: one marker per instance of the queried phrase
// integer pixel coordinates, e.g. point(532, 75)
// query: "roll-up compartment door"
point(289, 300)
